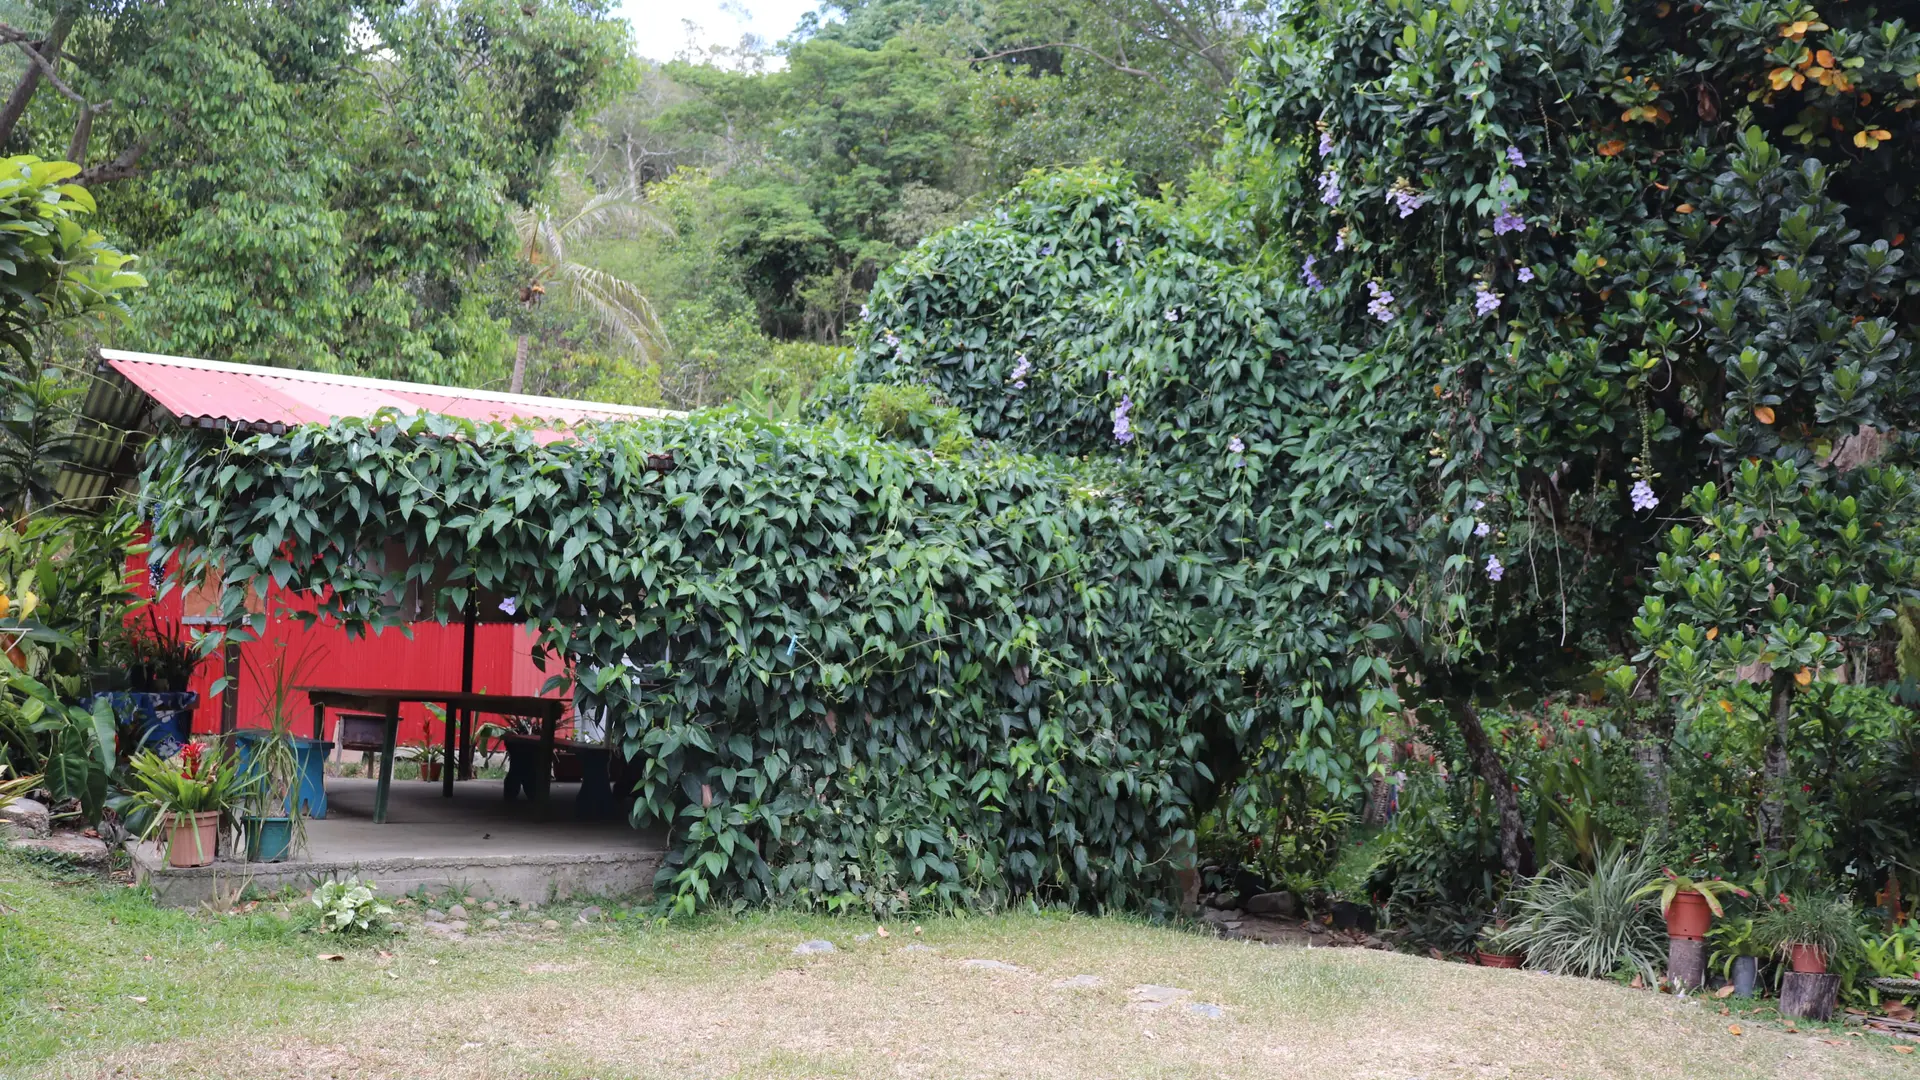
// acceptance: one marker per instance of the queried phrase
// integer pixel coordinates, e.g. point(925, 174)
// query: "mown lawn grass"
point(247, 996)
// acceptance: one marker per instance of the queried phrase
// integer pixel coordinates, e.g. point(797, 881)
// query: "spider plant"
point(1819, 920)
point(1576, 922)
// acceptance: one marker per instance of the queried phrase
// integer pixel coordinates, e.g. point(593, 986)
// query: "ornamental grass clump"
point(1571, 922)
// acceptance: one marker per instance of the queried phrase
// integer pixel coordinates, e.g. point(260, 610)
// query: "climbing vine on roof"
point(859, 675)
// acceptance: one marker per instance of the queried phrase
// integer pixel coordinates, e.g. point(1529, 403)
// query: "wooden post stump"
point(1809, 996)
point(1687, 962)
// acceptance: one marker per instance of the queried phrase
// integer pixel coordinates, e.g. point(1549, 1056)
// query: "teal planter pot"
point(312, 758)
point(269, 839)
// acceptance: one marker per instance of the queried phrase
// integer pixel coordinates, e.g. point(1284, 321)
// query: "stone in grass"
point(589, 913)
point(549, 924)
point(1077, 982)
point(1150, 998)
point(27, 818)
point(434, 915)
point(491, 905)
point(1201, 1008)
point(917, 947)
point(490, 924)
point(992, 965)
point(457, 911)
point(84, 850)
point(809, 948)
point(1273, 903)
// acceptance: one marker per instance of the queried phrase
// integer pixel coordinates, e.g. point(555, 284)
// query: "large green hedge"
point(1485, 290)
point(1392, 412)
point(860, 674)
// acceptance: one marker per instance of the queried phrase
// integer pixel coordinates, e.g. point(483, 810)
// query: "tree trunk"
point(1652, 758)
point(82, 134)
point(1773, 809)
point(519, 366)
point(16, 106)
point(1516, 849)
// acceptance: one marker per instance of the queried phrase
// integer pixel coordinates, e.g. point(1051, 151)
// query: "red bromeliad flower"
point(190, 756)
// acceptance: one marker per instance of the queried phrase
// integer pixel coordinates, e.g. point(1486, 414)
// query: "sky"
point(659, 32)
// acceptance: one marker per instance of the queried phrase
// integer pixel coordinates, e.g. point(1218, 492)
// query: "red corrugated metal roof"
point(211, 393)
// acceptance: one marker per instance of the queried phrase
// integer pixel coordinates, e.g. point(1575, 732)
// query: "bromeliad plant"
point(1671, 887)
point(197, 780)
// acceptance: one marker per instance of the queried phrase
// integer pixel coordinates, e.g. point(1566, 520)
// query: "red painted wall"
point(429, 659)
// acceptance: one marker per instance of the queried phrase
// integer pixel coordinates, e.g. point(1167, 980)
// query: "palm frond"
point(622, 310)
point(615, 211)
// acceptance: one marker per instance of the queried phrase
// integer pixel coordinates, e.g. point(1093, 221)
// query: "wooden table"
point(387, 703)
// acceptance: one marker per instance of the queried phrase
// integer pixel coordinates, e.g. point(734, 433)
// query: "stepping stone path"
point(809, 948)
point(992, 965)
point(1078, 982)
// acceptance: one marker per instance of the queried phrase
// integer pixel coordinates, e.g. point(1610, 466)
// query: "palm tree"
point(621, 310)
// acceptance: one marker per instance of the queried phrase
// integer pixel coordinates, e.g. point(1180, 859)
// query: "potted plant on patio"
point(272, 761)
point(1688, 904)
point(1809, 931)
point(428, 755)
point(182, 800)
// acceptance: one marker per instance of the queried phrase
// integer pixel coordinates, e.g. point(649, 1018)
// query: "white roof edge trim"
point(362, 382)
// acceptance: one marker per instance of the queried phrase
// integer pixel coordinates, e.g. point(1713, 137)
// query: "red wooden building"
point(138, 394)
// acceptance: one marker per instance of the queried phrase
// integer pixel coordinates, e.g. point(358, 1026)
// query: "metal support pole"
point(466, 687)
point(386, 764)
point(230, 700)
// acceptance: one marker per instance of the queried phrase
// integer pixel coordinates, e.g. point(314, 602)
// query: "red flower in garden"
point(190, 755)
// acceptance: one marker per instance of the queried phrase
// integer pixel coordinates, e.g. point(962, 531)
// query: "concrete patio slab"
point(475, 841)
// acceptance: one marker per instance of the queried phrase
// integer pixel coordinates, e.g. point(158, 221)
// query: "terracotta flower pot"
point(191, 838)
point(1689, 916)
point(1498, 960)
point(1807, 959)
point(429, 770)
